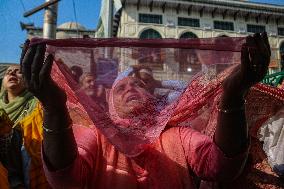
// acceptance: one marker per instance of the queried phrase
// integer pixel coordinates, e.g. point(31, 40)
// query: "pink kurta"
point(170, 162)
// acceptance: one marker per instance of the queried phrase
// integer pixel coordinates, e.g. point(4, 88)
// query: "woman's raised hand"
point(36, 70)
point(255, 58)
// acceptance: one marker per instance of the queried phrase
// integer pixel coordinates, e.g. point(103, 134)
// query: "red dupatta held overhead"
point(202, 63)
point(208, 62)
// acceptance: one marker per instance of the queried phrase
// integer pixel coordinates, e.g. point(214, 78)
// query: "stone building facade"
point(199, 19)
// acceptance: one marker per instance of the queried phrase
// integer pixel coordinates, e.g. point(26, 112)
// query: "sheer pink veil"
point(203, 63)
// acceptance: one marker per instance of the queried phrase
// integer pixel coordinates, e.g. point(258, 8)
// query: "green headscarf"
point(21, 106)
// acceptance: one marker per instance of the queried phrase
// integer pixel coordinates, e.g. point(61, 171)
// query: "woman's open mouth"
point(133, 98)
point(13, 79)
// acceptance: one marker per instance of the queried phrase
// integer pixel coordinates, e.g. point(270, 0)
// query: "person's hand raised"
point(255, 58)
point(36, 70)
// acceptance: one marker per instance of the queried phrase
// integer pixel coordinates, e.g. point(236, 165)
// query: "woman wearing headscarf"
point(85, 158)
point(25, 114)
point(169, 89)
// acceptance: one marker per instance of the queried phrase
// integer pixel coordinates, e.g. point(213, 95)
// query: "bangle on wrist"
point(61, 118)
point(55, 132)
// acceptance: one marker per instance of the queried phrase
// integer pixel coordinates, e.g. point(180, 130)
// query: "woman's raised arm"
point(231, 134)
point(59, 146)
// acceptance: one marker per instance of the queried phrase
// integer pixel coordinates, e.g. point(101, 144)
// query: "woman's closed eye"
point(10, 71)
point(120, 88)
point(138, 84)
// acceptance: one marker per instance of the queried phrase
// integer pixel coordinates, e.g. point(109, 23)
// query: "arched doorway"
point(150, 34)
point(187, 35)
point(151, 57)
point(223, 36)
point(188, 61)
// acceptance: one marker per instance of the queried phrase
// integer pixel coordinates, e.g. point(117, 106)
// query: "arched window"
point(223, 36)
point(150, 34)
point(151, 57)
point(187, 35)
point(188, 61)
point(282, 56)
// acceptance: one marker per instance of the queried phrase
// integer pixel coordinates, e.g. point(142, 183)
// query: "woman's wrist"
point(56, 119)
point(232, 101)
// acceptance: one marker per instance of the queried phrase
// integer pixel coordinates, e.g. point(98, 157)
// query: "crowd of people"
point(40, 147)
